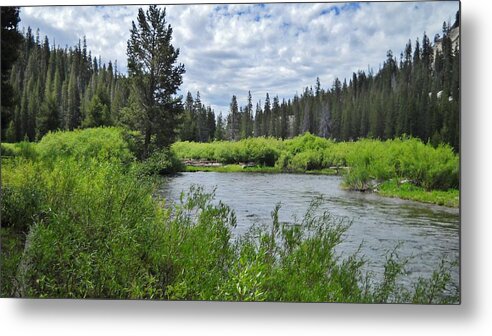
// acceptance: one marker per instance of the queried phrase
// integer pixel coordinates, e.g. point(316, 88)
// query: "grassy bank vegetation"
point(365, 164)
point(79, 220)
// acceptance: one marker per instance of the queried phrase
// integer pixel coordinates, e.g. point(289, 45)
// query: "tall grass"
point(368, 160)
point(82, 223)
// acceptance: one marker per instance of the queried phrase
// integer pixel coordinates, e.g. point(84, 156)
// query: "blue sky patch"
point(326, 11)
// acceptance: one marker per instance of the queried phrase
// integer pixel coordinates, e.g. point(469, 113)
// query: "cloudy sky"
point(274, 48)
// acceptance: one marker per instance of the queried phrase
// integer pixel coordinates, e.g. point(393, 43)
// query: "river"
point(427, 233)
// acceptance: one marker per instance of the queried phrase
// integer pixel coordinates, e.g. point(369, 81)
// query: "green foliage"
point(24, 149)
point(263, 151)
point(409, 191)
point(97, 113)
point(9, 149)
point(156, 85)
point(308, 160)
point(94, 235)
point(79, 218)
point(161, 162)
point(369, 162)
point(22, 194)
point(101, 143)
point(404, 159)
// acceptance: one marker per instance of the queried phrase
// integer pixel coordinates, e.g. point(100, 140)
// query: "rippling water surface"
point(427, 232)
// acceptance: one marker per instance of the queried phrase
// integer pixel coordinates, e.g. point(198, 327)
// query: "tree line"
point(67, 88)
point(417, 95)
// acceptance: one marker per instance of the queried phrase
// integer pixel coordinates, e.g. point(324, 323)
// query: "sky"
point(276, 48)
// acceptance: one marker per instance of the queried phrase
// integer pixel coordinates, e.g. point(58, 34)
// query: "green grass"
point(82, 222)
point(235, 168)
point(408, 191)
point(231, 168)
point(363, 163)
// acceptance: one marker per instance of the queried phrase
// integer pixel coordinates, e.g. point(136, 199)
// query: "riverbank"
point(432, 174)
point(237, 168)
point(406, 190)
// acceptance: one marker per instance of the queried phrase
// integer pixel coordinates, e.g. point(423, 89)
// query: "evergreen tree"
point(325, 121)
point(155, 76)
point(73, 116)
point(219, 130)
point(210, 123)
point(233, 120)
point(11, 41)
point(98, 113)
point(258, 131)
point(266, 116)
point(284, 125)
point(275, 118)
point(188, 128)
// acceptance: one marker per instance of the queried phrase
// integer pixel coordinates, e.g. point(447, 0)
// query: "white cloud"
point(275, 48)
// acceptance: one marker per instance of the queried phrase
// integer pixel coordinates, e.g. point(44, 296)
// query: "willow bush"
point(367, 160)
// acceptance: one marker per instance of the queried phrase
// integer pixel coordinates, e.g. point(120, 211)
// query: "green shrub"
point(104, 143)
point(22, 194)
point(307, 160)
point(161, 162)
point(368, 160)
point(23, 149)
point(9, 149)
point(98, 238)
point(409, 159)
point(283, 161)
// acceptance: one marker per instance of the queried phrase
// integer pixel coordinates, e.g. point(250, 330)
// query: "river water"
point(427, 233)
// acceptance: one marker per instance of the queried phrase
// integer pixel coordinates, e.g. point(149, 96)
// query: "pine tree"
point(219, 130)
point(325, 121)
point(210, 123)
point(258, 131)
point(188, 126)
point(247, 119)
point(98, 113)
point(265, 121)
point(73, 116)
point(233, 120)
point(155, 76)
point(275, 117)
point(284, 125)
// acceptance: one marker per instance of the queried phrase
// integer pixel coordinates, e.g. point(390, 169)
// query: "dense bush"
point(162, 162)
point(22, 194)
point(403, 159)
point(101, 143)
point(8, 149)
point(97, 235)
point(263, 151)
point(23, 149)
point(368, 160)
